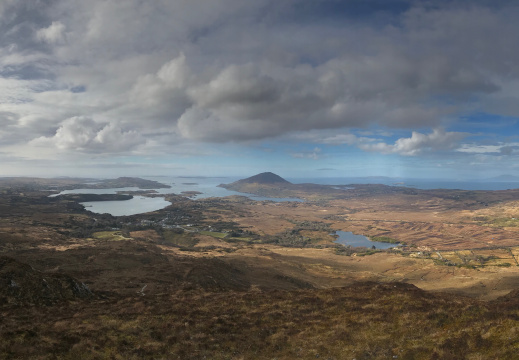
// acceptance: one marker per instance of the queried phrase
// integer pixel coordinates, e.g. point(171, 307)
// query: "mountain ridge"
point(505, 177)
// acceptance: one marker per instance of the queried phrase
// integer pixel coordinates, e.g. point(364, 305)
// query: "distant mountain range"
point(511, 178)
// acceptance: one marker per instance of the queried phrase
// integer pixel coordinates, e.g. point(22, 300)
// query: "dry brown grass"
point(363, 321)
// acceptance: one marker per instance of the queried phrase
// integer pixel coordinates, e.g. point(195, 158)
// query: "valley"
point(204, 262)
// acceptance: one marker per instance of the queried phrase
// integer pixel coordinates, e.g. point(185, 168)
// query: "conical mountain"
point(264, 178)
point(264, 184)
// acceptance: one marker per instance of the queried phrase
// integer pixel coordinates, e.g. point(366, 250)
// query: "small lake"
point(137, 205)
point(348, 238)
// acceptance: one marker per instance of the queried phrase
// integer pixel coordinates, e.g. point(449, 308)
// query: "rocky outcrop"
point(20, 284)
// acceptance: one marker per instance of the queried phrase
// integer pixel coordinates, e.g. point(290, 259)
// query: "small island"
point(190, 194)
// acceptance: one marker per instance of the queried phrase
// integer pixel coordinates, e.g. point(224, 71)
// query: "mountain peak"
point(265, 178)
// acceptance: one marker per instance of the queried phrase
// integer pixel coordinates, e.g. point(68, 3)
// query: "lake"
point(137, 205)
point(348, 238)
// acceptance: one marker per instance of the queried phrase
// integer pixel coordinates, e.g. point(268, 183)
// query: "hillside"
point(366, 320)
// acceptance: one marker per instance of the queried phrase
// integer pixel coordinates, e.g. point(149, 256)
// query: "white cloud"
point(76, 133)
point(438, 140)
point(501, 149)
point(114, 139)
point(175, 73)
point(85, 135)
point(479, 149)
point(54, 34)
point(339, 139)
point(315, 154)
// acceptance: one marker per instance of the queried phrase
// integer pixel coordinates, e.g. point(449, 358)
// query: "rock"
point(20, 284)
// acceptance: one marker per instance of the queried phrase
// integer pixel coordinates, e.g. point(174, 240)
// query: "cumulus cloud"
point(315, 154)
point(479, 149)
point(439, 139)
point(339, 139)
point(76, 133)
point(498, 149)
point(53, 34)
point(252, 102)
point(175, 74)
point(84, 134)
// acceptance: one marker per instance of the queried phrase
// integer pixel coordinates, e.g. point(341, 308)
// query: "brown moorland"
point(233, 278)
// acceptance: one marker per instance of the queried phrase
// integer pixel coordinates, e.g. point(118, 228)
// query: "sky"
point(302, 88)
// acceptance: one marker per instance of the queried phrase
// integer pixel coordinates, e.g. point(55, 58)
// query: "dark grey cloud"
point(26, 72)
point(19, 20)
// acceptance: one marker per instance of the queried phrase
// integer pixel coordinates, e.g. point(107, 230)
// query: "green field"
point(214, 234)
point(182, 240)
point(109, 236)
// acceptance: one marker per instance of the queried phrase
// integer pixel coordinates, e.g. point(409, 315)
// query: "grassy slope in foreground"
point(363, 321)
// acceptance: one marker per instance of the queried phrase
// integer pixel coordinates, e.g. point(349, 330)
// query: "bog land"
point(233, 278)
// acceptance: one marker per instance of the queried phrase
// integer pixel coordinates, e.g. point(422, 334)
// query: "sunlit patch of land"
point(109, 236)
